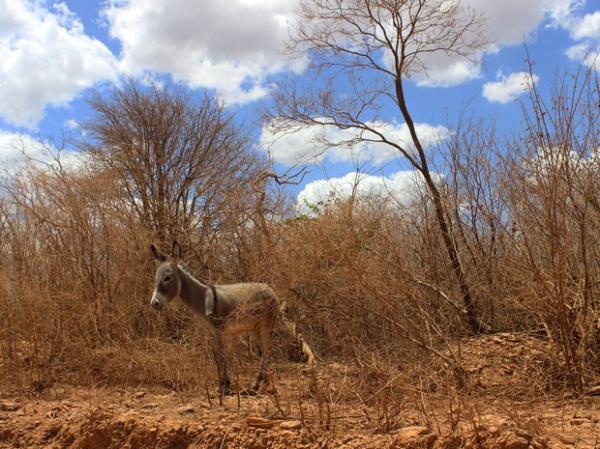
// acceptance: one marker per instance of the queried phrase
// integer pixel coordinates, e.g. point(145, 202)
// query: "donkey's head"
point(167, 283)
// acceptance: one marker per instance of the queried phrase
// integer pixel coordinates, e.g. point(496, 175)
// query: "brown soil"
point(510, 365)
point(313, 409)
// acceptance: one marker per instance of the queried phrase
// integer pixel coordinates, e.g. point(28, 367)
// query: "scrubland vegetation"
point(366, 279)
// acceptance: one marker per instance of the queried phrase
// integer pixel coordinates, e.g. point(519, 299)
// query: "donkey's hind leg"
point(265, 335)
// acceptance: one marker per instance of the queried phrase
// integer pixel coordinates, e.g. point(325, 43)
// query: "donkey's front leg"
point(221, 362)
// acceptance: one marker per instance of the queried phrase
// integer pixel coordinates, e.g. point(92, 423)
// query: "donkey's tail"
point(292, 328)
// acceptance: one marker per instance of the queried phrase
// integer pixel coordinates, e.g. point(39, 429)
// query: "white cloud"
point(72, 124)
point(508, 88)
point(549, 160)
point(230, 47)
point(401, 188)
point(47, 59)
point(586, 30)
point(561, 11)
point(508, 22)
point(587, 27)
point(14, 146)
point(446, 71)
point(586, 53)
point(17, 149)
point(308, 144)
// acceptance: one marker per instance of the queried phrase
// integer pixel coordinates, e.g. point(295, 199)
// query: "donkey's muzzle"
point(158, 300)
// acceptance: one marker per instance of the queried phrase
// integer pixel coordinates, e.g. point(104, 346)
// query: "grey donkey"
point(245, 308)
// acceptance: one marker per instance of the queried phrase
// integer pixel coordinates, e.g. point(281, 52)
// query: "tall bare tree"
point(176, 156)
point(361, 53)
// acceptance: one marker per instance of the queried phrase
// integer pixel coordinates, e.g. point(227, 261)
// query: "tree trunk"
point(473, 320)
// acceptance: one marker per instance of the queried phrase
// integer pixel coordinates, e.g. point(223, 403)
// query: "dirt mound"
point(510, 365)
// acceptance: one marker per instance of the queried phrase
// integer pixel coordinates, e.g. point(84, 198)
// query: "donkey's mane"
point(186, 270)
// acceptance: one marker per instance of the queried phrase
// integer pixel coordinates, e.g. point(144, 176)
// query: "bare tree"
point(176, 157)
point(370, 48)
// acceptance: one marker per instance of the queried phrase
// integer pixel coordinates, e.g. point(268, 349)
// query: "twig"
point(224, 440)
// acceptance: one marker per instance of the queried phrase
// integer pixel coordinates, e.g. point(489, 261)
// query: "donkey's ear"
point(176, 251)
point(156, 254)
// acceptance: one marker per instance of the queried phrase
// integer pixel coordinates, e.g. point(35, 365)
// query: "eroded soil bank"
point(116, 418)
point(505, 405)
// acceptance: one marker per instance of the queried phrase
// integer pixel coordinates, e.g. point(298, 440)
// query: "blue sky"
point(53, 53)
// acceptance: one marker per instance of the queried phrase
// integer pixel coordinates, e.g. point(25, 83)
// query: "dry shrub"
point(554, 204)
point(367, 281)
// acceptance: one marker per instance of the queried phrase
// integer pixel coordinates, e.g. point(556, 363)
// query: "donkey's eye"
point(167, 279)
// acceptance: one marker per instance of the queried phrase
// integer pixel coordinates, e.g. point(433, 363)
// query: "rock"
point(518, 439)
point(9, 406)
point(412, 432)
point(140, 394)
point(347, 439)
point(149, 406)
point(523, 434)
point(417, 436)
point(290, 425)
point(257, 421)
point(186, 409)
point(567, 439)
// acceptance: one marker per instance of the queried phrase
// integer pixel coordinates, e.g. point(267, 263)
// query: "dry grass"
point(367, 283)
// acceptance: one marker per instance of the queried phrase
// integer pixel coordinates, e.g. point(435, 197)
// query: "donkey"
point(245, 308)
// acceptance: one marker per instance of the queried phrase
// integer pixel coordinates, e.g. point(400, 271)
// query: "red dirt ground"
point(94, 418)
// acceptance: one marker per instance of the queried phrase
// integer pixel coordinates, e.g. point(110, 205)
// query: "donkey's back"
point(255, 308)
point(246, 306)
